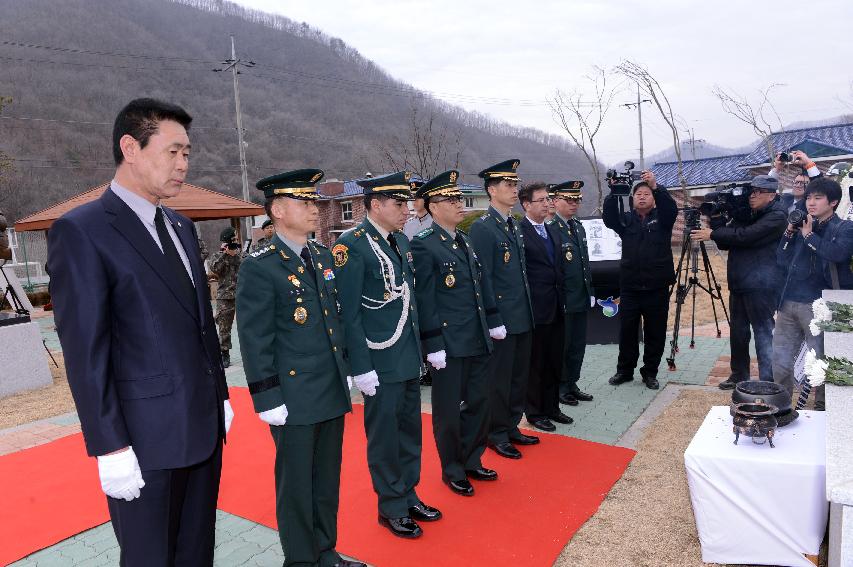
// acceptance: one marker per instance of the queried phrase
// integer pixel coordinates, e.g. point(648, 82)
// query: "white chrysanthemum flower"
point(815, 369)
point(821, 310)
point(814, 328)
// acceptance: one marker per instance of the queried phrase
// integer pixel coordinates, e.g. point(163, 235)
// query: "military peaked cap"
point(504, 170)
point(394, 185)
point(567, 189)
point(442, 185)
point(298, 184)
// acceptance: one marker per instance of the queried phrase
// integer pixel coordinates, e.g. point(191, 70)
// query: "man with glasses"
point(457, 320)
point(580, 296)
point(545, 276)
point(499, 245)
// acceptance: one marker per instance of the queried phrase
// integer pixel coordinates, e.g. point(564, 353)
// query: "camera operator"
point(812, 250)
point(753, 275)
point(645, 273)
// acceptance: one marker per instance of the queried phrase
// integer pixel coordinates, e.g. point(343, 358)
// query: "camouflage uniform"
point(225, 268)
point(263, 242)
point(202, 248)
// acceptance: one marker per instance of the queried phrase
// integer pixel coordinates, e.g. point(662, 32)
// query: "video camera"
point(233, 246)
point(729, 200)
point(692, 219)
point(620, 183)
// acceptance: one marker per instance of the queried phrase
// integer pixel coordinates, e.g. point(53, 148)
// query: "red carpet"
point(51, 492)
point(524, 519)
point(47, 494)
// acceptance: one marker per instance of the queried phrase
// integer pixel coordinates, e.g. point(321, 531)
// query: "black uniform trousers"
point(172, 522)
point(653, 307)
point(574, 340)
point(546, 370)
point(307, 491)
point(509, 368)
point(460, 433)
point(392, 422)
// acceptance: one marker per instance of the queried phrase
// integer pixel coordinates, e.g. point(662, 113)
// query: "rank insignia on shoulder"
point(328, 274)
point(341, 254)
point(485, 216)
point(262, 251)
point(424, 233)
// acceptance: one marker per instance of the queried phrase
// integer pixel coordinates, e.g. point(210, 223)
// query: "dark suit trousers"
point(460, 434)
point(392, 422)
point(307, 490)
point(509, 367)
point(172, 522)
point(575, 348)
point(652, 306)
point(546, 369)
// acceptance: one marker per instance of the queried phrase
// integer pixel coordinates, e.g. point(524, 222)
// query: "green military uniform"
point(578, 286)
point(293, 354)
point(456, 309)
point(500, 248)
point(376, 280)
point(226, 267)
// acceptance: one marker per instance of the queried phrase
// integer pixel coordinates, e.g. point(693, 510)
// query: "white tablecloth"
point(757, 504)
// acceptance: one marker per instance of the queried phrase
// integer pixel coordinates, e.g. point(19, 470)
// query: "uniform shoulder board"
point(485, 216)
point(552, 221)
point(462, 232)
point(319, 244)
point(266, 250)
point(424, 233)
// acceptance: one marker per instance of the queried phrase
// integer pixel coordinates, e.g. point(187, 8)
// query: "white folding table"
point(755, 504)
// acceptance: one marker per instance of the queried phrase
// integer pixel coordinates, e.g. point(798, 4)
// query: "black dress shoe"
point(728, 384)
point(506, 450)
point(522, 439)
point(462, 487)
point(544, 425)
point(561, 418)
point(482, 473)
point(582, 396)
point(617, 379)
point(568, 399)
point(348, 563)
point(651, 383)
point(402, 527)
point(424, 513)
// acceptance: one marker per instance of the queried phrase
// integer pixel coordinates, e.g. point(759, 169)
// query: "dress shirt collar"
point(295, 247)
point(382, 232)
point(143, 208)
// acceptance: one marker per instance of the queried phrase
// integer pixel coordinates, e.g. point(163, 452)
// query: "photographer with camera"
point(753, 276)
point(797, 158)
point(646, 271)
point(816, 251)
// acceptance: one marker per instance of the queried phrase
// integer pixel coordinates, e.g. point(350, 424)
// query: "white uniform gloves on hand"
point(498, 333)
point(229, 416)
point(437, 359)
point(120, 475)
point(592, 301)
point(274, 416)
point(367, 382)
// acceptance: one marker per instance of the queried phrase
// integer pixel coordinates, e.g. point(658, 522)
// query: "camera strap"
point(833, 275)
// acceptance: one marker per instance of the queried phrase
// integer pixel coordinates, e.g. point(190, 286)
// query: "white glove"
point(120, 475)
point(367, 382)
point(437, 359)
point(274, 416)
point(498, 333)
point(229, 416)
point(349, 382)
point(592, 301)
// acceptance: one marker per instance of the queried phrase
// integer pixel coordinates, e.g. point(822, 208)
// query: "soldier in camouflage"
point(226, 264)
point(266, 239)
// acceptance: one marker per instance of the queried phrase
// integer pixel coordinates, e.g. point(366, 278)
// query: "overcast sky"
point(520, 53)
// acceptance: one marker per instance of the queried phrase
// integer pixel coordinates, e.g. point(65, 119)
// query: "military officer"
point(288, 319)
point(226, 265)
point(499, 245)
point(580, 296)
point(421, 219)
point(457, 315)
point(268, 230)
point(375, 275)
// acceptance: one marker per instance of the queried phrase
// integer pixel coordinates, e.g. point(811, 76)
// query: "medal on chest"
point(569, 254)
point(450, 280)
point(506, 256)
point(300, 315)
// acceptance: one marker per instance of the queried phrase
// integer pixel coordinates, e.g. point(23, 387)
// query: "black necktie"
point(393, 242)
point(173, 259)
point(511, 225)
point(309, 265)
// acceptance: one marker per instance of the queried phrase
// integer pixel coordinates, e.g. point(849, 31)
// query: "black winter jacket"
point(646, 242)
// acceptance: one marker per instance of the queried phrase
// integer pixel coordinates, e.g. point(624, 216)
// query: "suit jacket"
point(577, 282)
point(502, 257)
point(291, 334)
point(143, 364)
point(455, 301)
point(362, 286)
point(544, 273)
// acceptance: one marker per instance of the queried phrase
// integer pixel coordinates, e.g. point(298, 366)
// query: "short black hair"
point(824, 186)
point(489, 182)
point(525, 194)
point(642, 184)
point(140, 120)
point(369, 198)
point(268, 206)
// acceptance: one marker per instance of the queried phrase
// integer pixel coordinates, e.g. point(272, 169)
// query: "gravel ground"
point(34, 405)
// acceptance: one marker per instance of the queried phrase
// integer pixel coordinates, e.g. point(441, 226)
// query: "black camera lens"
point(785, 157)
point(796, 218)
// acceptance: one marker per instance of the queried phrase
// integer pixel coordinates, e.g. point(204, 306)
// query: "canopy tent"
point(197, 203)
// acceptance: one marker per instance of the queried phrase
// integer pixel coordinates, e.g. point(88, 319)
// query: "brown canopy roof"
point(193, 201)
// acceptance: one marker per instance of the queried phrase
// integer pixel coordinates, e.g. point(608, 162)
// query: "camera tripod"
point(687, 282)
point(10, 295)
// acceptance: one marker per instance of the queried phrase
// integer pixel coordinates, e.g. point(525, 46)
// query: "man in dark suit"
point(133, 315)
point(544, 261)
point(498, 242)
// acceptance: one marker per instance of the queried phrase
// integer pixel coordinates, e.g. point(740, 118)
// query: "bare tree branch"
point(754, 116)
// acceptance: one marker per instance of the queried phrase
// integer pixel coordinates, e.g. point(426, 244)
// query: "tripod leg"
point(693, 320)
point(709, 272)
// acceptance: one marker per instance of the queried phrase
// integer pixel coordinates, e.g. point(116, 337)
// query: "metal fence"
point(29, 255)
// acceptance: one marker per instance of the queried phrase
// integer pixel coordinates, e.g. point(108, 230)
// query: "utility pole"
point(639, 106)
point(232, 64)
